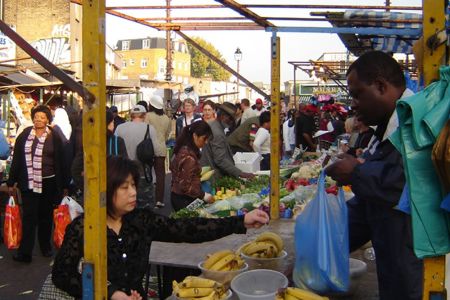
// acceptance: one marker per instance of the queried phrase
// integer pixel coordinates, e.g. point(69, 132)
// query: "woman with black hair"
point(39, 169)
point(185, 165)
point(130, 232)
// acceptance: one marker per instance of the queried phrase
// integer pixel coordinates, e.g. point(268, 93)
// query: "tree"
point(201, 65)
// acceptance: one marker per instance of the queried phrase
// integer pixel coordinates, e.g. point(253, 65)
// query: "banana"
point(269, 236)
point(222, 262)
point(206, 176)
point(215, 257)
point(194, 292)
point(198, 282)
point(290, 297)
point(205, 169)
point(258, 247)
point(242, 248)
point(303, 294)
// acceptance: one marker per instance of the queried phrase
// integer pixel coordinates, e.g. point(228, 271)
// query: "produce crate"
point(247, 161)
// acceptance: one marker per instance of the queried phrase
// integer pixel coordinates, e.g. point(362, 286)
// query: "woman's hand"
point(119, 295)
point(256, 218)
point(208, 198)
point(247, 175)
point(11, 191)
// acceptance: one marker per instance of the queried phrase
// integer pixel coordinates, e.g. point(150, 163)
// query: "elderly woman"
point(188, 116)
point(130, 231)
point(38, 168)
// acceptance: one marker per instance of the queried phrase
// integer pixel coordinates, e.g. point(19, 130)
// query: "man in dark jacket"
point(376, 82)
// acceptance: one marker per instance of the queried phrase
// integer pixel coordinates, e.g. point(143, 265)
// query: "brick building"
point(145, 58)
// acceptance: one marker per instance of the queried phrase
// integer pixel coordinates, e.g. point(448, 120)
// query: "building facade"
point(145, 58)
point(53, 27)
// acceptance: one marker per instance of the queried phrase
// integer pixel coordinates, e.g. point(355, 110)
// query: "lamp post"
point(238, 58)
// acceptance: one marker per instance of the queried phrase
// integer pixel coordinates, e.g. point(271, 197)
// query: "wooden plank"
point(275, 131)
point(94, 142)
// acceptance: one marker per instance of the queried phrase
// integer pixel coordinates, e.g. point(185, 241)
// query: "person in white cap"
point(161, 122)
point(133, 133)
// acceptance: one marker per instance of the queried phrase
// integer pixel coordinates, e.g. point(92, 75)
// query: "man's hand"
point(247, 175)
point(342, 169)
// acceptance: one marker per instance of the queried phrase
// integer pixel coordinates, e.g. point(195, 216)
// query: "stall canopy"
point(358, 44)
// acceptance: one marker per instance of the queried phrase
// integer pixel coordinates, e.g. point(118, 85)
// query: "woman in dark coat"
point(130, 232)
point(38, 168)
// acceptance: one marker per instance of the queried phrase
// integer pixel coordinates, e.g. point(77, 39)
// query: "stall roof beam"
point(364, 31)
point(242, 10)
point(326, 6)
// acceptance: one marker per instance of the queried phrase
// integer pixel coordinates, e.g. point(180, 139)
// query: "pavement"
point(24, 281)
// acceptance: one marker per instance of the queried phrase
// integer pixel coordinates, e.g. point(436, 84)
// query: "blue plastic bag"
point(321, 243)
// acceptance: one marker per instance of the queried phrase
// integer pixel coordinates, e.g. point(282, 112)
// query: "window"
point(144, 63)
point(131, 62)
point(125, 45)
point(146, 44)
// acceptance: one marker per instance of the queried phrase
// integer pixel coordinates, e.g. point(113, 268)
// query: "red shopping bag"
point(61, 218)
point(13, 225)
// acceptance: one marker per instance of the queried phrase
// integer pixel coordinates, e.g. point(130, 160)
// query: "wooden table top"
point(187, 255)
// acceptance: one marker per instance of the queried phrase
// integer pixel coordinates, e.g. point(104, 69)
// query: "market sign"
point(7, 49)
point(329, 90)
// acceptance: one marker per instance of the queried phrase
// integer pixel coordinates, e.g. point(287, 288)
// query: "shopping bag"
point(75, 209)
point(321, 243)
point(61, 218)
point(13, 225)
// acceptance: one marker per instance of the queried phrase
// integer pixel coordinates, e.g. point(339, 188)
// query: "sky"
point(255, 45)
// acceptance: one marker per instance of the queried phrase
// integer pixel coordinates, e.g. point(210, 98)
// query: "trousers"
point(37, 210)
point(399, 271)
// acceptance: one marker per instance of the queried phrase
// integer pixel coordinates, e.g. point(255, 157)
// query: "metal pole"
point(168, 91)
point(295, 88)
point(238, 80)
point(275, 130)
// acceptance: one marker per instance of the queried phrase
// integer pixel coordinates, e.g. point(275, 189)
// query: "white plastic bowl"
point(223, 277)
point(228, 296)
point(258, 284)
point(275, 263)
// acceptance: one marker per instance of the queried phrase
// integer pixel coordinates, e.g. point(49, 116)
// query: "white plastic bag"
point(75, 209)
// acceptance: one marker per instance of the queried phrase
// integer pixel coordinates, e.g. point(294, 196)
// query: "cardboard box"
point(247, 161)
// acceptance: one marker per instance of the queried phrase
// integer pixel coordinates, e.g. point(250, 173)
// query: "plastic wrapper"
point(61, 218)
point(13, 225)
point(301, 195)
point(322, 243)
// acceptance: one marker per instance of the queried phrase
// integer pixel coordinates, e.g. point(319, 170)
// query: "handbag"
point(61, 218)
point(13, 225)
point(145, 153)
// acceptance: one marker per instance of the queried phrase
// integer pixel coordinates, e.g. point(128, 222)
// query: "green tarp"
point(421, 118)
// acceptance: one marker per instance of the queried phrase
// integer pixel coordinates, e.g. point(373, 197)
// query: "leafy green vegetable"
point(184, 213)
point(228, 182)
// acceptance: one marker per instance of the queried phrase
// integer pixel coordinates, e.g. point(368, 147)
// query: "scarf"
point(34, 162)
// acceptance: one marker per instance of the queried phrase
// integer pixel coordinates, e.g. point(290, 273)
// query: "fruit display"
point(193, 287)
point(291, 293)
point(266, 245)
point(224, 260)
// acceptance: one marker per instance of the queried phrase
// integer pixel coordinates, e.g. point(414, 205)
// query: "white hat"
point(138, 109)
point(156, 101)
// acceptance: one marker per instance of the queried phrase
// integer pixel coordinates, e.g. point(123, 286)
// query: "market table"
point(186, 255)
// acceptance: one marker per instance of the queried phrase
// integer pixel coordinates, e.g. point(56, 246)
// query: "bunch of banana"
point(224, 260)
point(193, 287)
point(267, 245)
point(206, 173)
point(291, 293)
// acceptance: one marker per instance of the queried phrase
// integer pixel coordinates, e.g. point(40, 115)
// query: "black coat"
point(18, 171)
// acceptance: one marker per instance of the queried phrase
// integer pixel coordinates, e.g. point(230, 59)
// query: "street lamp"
point(238, 58)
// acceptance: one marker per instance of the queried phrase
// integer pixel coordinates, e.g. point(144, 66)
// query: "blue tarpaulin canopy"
point(358, 44)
